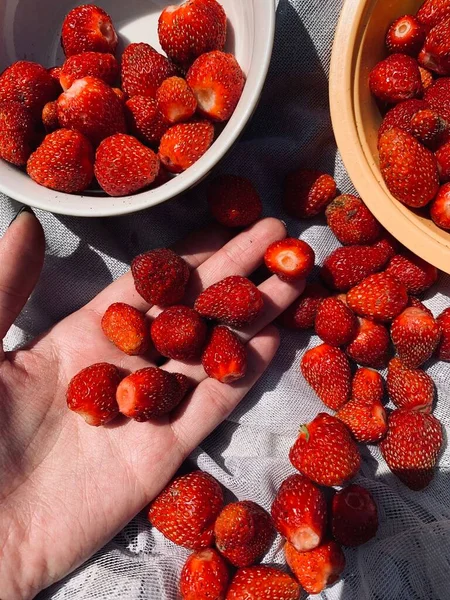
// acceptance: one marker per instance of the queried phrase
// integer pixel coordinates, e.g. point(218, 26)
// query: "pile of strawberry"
point(73, 128)
point(413, 85)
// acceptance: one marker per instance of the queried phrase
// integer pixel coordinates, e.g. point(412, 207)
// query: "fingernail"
point(22, 210)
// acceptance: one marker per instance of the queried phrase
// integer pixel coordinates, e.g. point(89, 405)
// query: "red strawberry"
point(442, 155)
point(433, 12)
point(204, 576)
point(55, 74)
point(183, 144)
point(234, 201)
point(28, 83)
point(415, 335)
point(354, 519)
point(307, 193)
point(291, 259)
point(426, 77)
point(416, 303)
point(406, 35)
point(438, 97)
point(160, 276)
point(435, 54)
point(186, 510)
point(400, 115)
point(370, 347)
point(187, 31)
point(335, 323)
point(176, 101)
point(244, 532)
point(415, 273)
point(299, 512)
point(88, 28)
point(396, 78)
point(411, 447)
point(263, 583)
point(408, 168)
point(443, 349)
point(125, 326)
point(409, 388)
point(92, 393)
point(367, 422)
point(50, 116)
point(144, 69)
point(217, 81)
point(351, 221)
point(429, 128)
point(325, 451)
point(327, 370)
point(380, 296)
point(235, 301)
point(95, 64)
point(144, 120)
point(440, 207)
point(224, 357)
point(367, 386)
point(17, 133)
point(302, 313)
point(124, 166)
point(318, 568)
point(63, 162)
point(179, 333)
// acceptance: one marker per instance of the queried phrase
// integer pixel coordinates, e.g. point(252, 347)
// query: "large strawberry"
point(396, 78)
point(415, 335)
point(354, 519)
point(28, 83)
point(379, 296)
point(370, 346)
point(143, 70)
point(409, 388)
point(179, 333)
point(204, 576)
point(263, 583)
point(415, 273)
point(88, 28)
point(335, 323)
point(351, 221)
point(184, 144)
point(367, 421)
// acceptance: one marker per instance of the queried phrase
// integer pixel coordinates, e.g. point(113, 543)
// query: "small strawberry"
point(396, 78)
point(442, 155)
point(63, 162)
point(370, 346)
point(412, 446)
point(263, 583)
point(299, 512)
point(95, 64)
point(335, 323)
point(416, 303)
point(301, 314)
point(224, 357)
point(351, 221)
point(92, 393)
point(204, 576)
point(380, 296)
point(244, 532)
point(367, 422)
point(50, 116)
point(143, 70)
point(429, 128)
point(433, 12)
point(317, 569)
point(235, 301)
point(144, 120)
point(307, 193)
point(435, 54)
point(354, 519)
point(28, 83)
point(176, 101)
point(443, 349)
point(437, 97)
point(290, 259)
point(409, 388)
point(426, 77)
point(406, 35)
point(415, 273)
point(17, 133)
point(325, 451)
point(327, 370)
point(160, 276)
point(124, 166)
point(187, 31)
point(400, 115)
point(440, 207)
point(88, 28)
point(234, 201)
point(367, 386)
point(415, 335)
point(125, 326)
point(182, 145)
point(179, 333)
point(186, 510)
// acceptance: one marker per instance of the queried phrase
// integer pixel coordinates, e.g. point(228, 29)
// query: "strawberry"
point(351, 221)
point(440, 207)
point(150, 393)
point(415, 335)
point(125, 326)
point(335, 323)
point(442, 155)
point(263, 583)
point(144, 120)
point(217, 81)
point(354, 517)
point(412, 446)
point(179, 332)
point(182, 145)
point(433, 12)
point(63, 162)
point(318, 568)
point(143, 70)
point(400, 115)
point(299, 512)
point(415, 273)
point(307, 193)
point(408, 168)
point(437, 97)
point(95, 64)
point(443, 349)
point(176, 101)
point(124, 166)
point(367, 422)
point(234, 201)
point(244, 532)
point(55, 74)
point(50, 116)
point(88, 28)
point(290, 259)
point(406, 35)
point(186, 510)
point(367, 386)
point(396, 78)
point(325, 451)
point(204, 576)
point(160, 276)
point(17, 133)
point(327, 370)
point(409, 388)
point(435, 54)
point(28, 83)
point(235, 301)
point(380, 296)
point(416, 303)
point(429, 128)
point(187, 31)
point(301, 314)
point(92, 393)
point(426, 77)
point(225, 356)
point(370, 346)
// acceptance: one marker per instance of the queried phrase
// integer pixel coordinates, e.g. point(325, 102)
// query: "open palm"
point(67, 488)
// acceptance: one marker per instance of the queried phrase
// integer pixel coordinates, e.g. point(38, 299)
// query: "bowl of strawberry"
point(107, 110)
point(390, 104)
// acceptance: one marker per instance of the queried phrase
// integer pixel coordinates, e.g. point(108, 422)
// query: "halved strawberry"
point(224, 357)
point(176, 101)
point(88, 28)
point(143, 70)
point(17, 133)
point(409, 388)
point(204, 576)
point(396, 78)
point(415, 334)
point(234, 201)
point(291, 259)
point(307, 193)
point(95, 64)
point(125, 326)
point(327, 371)
point(28, 83)
point(354, 519)
point(183, 144)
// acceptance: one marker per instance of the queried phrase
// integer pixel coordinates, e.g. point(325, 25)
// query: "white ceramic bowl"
point(31, 30)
